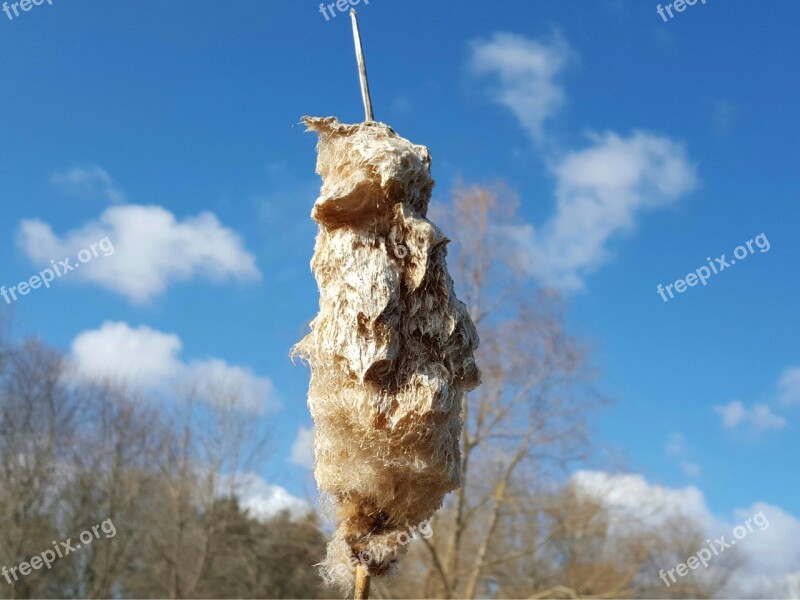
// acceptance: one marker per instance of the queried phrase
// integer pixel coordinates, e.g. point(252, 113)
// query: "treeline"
point(519, 527)
point(73, 457)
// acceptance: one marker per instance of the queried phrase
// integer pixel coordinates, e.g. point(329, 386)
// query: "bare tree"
point(159, 473)
point(526, 421)
point(112, 479)
point(515, 529)
point(37, 428)
point(212, 441)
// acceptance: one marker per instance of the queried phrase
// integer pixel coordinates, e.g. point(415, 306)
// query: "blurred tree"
point(37, 432)
point(514, 529)
point(162, 471)
point(271, 559)
point(112, 477)
point(529, 415)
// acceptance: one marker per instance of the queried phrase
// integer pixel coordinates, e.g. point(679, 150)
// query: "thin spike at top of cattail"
point(362, 67)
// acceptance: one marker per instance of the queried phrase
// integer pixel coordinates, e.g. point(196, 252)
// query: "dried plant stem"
point(362, 583)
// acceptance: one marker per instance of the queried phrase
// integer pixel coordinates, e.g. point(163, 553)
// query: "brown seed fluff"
point(391, 351)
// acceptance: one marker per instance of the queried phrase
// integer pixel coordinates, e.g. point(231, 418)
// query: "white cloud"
point(600, 191)
point(760, 417)
point(525, 71)
point(763, 418)
point(91, 181)
point(632, 500)
point(776, 549)
point(732, 414)
point(139, 357)
point(152, 249)
point(262, 500)
point(216, 380)
point(789, 386)
point(146, 359)
point(772, 552)
point(303, 448)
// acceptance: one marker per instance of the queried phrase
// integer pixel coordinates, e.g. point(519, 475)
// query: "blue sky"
point(173, 128)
